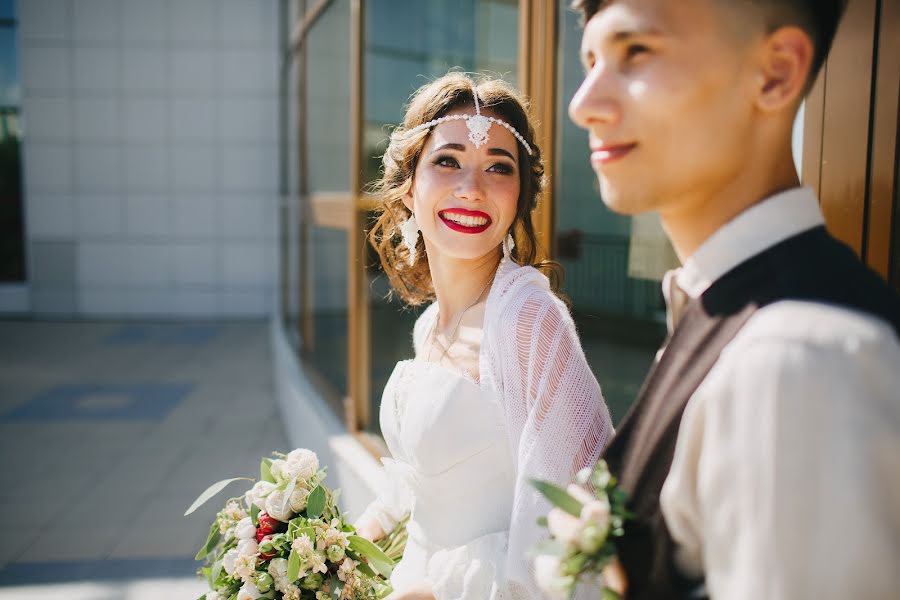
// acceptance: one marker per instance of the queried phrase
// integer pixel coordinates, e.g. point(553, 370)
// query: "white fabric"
point(785, 483)
point(463, 452)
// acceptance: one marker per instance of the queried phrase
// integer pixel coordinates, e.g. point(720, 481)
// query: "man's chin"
point(623, 202)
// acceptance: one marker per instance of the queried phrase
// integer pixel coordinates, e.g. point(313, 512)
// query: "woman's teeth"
point(464, 220)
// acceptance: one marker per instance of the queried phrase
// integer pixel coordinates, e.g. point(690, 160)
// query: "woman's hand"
point(420, 591)
point(614, 577)
point(369, 528)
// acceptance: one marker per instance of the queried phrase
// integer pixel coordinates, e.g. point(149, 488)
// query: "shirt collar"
point(755, 230)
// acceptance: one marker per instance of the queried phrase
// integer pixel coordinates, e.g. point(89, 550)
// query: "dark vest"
point(811, 266)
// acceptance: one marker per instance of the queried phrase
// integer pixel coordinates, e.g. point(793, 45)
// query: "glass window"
point(613, 263)
point(326, 200)
point(407, 45)
point(12, 239)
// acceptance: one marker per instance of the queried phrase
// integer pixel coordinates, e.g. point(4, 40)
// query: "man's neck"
point(692, 221)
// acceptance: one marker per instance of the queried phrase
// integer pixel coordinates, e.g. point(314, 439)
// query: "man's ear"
point(785, 60)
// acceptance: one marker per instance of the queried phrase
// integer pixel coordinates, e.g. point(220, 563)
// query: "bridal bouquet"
point(582, 527)
point(285, 539)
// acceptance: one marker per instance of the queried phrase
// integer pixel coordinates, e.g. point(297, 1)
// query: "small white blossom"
point(302, 545)
point(596, 512)
point(244, 566)
point(277, 470)
point(347, 570)
point(214, 595)
point(316, 563)
point(278, 568)
point(579, 493)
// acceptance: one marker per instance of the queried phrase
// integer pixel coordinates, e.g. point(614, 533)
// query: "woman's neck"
point(459, 284)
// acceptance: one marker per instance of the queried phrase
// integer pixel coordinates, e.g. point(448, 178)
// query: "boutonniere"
point(587, 517)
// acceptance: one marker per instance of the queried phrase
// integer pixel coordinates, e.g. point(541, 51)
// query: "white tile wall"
point(98, 167)
point(145, 70)
point(151, 146)
point(44, 19)
point(144, 21)
point(48, 119)
point(51, 216)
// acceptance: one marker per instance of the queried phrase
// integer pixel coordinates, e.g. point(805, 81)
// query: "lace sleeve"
point(559, 422)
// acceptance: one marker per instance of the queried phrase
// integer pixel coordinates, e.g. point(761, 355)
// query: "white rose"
point(249, 592)
point(563, 526)
point(298, 499)
point(228, 561)
point(245, 530)
point(548, 578)
point(596, 512)
point(301, 463)
point(275, 506)
point(258, 493)
point(247, 547)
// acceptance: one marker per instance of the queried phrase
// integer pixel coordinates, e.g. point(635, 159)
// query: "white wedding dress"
point(463, 451)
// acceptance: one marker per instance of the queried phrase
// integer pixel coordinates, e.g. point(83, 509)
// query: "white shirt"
point(785, 483)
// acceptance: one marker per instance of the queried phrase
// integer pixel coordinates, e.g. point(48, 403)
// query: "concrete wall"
point(150, 156)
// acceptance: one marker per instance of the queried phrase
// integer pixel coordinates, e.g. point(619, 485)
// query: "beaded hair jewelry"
point(478, 125)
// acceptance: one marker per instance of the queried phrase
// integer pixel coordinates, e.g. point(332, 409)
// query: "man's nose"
point(594, 103)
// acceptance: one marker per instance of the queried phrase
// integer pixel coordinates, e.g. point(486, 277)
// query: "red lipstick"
point(464, 220)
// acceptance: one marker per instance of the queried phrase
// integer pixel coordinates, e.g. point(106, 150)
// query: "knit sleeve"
point(559, 422)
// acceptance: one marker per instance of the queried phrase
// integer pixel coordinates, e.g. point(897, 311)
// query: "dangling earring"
point(410, 232)
point(509, 245)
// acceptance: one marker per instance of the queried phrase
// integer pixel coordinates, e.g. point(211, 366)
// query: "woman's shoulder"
point(523, 296)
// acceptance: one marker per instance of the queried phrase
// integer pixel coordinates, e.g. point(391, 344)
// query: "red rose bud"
point(267, 551)
point(267, 525)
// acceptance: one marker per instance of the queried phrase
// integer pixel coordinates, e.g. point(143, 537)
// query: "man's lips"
point(603, 154)
point(472, 221)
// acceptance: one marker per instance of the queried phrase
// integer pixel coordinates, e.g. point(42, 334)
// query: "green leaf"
point(558, 497)
point(609, 594)
point(315, 504)
point(378, 560)
point(265, 472)
point(254, 514)
point(211, 540)
point(210, 492)
point(288, 492)
point(293, 571)
point(203, 597)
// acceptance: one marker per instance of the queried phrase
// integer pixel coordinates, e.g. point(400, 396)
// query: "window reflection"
point(406, 45)
point(613, 263)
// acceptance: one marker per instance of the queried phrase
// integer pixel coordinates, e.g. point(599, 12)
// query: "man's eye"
point(634, 51)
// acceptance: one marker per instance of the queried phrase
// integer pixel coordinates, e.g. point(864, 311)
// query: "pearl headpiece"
point(478, 125)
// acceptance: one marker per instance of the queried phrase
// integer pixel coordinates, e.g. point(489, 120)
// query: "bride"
point(499, 391)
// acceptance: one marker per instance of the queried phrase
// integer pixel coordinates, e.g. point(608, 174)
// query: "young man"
point(763, 453)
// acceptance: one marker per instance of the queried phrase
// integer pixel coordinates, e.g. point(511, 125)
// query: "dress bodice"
point(449, 443)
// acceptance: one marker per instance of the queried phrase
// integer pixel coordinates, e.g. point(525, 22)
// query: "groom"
point(762, 456)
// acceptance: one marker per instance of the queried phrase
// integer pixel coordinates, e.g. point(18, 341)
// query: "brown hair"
point(432, 101)
point(818, 18)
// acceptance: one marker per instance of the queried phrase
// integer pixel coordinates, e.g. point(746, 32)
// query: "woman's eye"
point(446, 161)
point(502, 168)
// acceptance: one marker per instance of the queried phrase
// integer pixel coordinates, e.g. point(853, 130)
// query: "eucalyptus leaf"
point(315, 504)
point(378, 560)
point(254, 514)
point(558, 497)
point(265, 471)
point(210, 492)
point(293, 571)
point(211, 540)
point(288, 492)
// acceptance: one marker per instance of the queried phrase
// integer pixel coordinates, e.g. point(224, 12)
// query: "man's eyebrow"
point(623, 35)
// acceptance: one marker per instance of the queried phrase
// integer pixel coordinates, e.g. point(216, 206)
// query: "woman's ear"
point(408, 200)
point(785, 60)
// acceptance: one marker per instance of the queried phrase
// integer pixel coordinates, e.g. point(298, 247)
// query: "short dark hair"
point(818, 18)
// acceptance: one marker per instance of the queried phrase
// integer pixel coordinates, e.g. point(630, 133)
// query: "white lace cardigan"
point(558, 421)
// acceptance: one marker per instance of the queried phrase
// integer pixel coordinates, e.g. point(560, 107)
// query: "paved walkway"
point(108, 431)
